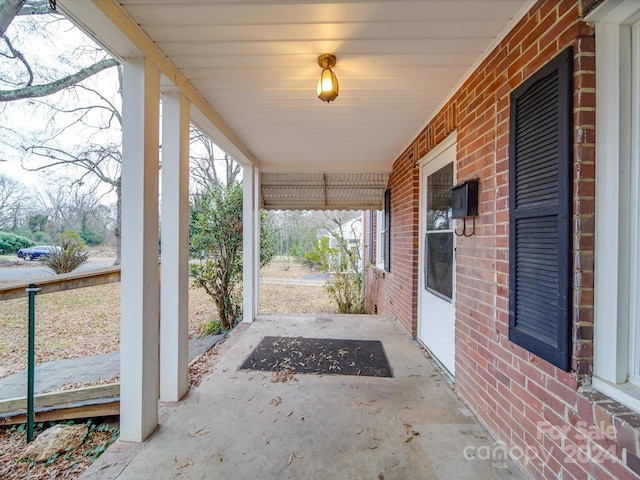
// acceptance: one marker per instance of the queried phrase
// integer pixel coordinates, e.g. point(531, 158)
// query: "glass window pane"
point(439, 199)
point(440, 263)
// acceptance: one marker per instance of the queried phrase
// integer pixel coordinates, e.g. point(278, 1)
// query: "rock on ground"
point(59, 438)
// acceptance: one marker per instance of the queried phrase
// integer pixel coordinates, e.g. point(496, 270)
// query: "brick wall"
point(551, 422)
point(395, 292)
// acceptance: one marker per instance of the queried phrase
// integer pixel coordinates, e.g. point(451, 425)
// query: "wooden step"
point(94, 401)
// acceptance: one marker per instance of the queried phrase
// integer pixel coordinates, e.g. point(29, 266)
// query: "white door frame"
point(447, 143)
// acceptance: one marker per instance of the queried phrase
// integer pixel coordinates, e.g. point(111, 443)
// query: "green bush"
point(341, 268)
point(69, 255)
point(92, 237)
point(11, 243)
point(215, 235)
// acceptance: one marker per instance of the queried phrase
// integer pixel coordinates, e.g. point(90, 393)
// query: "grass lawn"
point(86, 321)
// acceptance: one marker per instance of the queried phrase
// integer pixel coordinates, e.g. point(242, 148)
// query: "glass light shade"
point(327, 85)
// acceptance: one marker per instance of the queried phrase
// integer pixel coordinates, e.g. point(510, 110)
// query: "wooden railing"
point(58, 283)
point(43, 285)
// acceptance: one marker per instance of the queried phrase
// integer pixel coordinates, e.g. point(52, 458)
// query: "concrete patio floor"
point(243, 424)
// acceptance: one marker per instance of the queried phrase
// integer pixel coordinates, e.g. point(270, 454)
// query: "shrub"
point(92, 237)
point(70, 254)
point(11, 243)
point(341, 265)
point(216, 239)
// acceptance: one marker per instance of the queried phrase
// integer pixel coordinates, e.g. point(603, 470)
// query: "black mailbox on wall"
point(464, 199)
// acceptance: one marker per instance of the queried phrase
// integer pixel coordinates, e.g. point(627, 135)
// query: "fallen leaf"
point(187, 463)
point(290, 459)
point(408, 440)
point(373, 447)
point(290, 413)
point(360, 431)
point(276, 401)
point(265, 440)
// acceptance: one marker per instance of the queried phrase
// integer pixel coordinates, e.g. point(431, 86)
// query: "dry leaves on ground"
point(86, 321)
point(13, 443)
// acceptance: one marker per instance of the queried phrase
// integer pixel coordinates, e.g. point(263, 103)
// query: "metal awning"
point(323, 191)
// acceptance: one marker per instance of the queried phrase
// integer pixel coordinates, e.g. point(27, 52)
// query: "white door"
point(436, 316)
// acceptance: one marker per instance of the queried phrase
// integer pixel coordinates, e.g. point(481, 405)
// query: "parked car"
point(33, 253)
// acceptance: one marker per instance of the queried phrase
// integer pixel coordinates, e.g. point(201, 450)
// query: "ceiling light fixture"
point(327, 83)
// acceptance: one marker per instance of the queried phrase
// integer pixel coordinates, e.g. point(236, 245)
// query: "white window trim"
point(616, 327)
point(380, 239)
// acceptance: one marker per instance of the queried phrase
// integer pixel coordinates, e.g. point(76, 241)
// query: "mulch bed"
point(319, 356)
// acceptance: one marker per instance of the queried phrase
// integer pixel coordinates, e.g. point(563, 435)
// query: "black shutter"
point(540, 189)
point(387, 230)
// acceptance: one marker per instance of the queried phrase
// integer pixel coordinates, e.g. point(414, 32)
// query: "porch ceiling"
point(255, 63)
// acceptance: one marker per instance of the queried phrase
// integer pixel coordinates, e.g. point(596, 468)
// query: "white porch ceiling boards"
point(255, 63)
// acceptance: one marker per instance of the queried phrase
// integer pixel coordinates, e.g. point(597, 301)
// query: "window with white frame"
point(383, 234)
point(617, 242)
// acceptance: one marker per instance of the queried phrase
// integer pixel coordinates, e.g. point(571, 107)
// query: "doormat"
point(319, 355)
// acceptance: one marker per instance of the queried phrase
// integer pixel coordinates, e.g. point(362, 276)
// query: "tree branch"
point(36, 7)
point(34, 91)
point(19, 56)
point(8, 10)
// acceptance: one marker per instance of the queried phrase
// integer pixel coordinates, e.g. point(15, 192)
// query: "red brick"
point(495, 375)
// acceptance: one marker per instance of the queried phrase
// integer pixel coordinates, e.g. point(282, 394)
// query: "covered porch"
point(245, 74)
point(243, 424)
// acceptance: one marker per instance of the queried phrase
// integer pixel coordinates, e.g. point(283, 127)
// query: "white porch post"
point(251, 243)
point(174, 321)
point(140, 288)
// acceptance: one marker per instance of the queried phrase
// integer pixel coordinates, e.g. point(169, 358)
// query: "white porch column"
point(251, 243)
point(174, 321)
point(140, 290)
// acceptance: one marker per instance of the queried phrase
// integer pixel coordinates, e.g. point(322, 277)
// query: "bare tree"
point(77, 206)
point(69, 98)
point(14, 200)
point(208, 164)
point(75, 101)
point(28, 81)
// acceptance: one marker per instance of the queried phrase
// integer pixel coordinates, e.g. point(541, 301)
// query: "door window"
point(439, 235)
